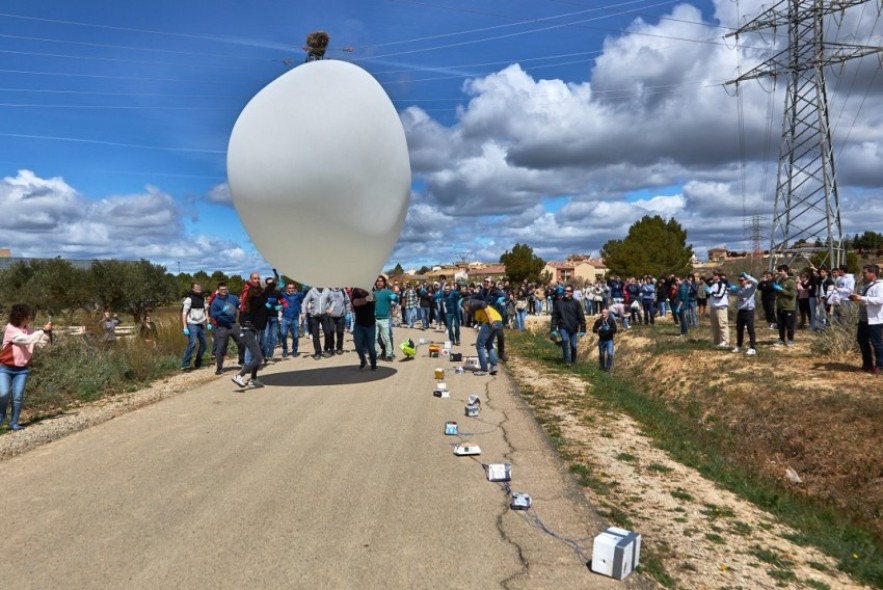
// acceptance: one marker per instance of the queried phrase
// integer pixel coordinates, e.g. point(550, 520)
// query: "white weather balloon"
point(319, 172)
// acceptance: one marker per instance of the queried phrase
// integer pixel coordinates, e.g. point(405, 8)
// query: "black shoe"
point(362, 365)
point(373, 367)
point(317, 356)
point(219, 372)
point(339, 352)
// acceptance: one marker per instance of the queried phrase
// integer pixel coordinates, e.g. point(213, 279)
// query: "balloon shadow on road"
point(327, 376)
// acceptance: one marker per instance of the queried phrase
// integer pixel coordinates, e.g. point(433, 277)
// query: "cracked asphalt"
point(328, 477)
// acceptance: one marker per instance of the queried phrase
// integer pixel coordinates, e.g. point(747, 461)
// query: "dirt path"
point(704, 536)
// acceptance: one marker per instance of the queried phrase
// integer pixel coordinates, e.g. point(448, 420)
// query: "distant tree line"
point(56, 287)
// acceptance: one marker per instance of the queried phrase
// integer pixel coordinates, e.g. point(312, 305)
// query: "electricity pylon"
point(807, 206)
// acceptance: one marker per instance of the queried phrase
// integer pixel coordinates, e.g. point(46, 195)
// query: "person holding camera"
point(786, 305)
point(15, 360)
point(869, 332)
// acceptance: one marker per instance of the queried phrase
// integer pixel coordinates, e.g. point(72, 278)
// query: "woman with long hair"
point(15, 359)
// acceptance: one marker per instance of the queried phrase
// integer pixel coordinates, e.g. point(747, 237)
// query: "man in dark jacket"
point(568, 321)
point(768, 298)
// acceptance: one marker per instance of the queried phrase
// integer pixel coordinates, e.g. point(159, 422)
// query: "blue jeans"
point(197, 332)
point(12, 385)
point(649, 311)
point(410, 314)
point(271, 335)
point(289, 326)
point(605, 354)
point(364, 336)
point(568, 346)
point(683, 317)
point(453, 321)
point(485, 344)
point(663, 308)
point(424, 316)
point(520, 318)
point(692, 318)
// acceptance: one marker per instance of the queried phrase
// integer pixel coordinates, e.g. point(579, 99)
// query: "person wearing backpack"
point(15, 360)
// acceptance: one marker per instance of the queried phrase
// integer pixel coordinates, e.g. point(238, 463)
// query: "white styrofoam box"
point(463, 449)
point(616, 553)
point(441, 385)
point(470, 363)
point(499, 471)
point(447, 345)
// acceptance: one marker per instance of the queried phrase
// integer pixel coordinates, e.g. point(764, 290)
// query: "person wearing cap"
point(869, 332)
point(745, 292)
point(786, 305)
point(383, 300)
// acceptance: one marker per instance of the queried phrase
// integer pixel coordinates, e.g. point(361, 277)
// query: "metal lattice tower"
point(807, 205)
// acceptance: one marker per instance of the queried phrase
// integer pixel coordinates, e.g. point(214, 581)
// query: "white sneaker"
point(238, 380)
point(779, 343)
point(751, 352)
point(723, 345)
point(790, 343)
point(736, 349)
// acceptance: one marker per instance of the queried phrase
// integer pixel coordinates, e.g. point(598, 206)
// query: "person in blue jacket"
point(290, 324)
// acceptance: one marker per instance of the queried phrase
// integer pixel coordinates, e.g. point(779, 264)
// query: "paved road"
point(329, 477)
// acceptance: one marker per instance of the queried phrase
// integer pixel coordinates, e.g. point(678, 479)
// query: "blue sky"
point(554, 123)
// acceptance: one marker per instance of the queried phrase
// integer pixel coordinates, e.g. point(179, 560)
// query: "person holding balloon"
point(253, 321)
point(383, 299)
point(364, 328)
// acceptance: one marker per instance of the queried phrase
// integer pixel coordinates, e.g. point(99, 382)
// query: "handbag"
point(521, 304)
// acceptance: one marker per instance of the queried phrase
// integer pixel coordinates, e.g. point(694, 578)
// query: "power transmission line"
point(807, 202)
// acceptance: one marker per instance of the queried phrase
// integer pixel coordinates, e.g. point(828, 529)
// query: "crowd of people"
point(265, 316)
point(269, 317)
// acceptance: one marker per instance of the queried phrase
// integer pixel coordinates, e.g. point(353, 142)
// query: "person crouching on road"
point(490, 323)
point(15, 359)
point(569, 321)
point(605, 328)
point(253, 320)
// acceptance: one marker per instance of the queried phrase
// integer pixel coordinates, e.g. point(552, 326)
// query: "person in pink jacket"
point(15, 359)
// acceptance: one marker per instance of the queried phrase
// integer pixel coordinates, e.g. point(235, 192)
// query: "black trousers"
point(317, 321)
point(787, 319)
point(769, 310)
point(745, 319)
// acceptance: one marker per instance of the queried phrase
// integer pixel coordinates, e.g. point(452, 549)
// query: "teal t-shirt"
point(382, 303)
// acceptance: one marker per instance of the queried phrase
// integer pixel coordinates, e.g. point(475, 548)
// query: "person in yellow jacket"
point(490, 324)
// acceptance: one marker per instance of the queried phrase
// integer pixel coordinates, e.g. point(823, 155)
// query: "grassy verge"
point(712, 449)
point(77, 369)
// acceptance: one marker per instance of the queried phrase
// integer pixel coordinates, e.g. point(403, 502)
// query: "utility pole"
point(807, 205)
